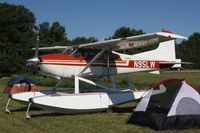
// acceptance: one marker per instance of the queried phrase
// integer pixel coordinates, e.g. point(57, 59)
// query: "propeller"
point(37, 46)
point(35, 59)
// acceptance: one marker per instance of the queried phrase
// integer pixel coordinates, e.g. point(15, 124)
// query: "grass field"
point(47, 122)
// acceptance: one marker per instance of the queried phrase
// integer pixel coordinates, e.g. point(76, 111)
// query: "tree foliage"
point(16, 37)
point(52, 34)
point(57, 32)
point(44, 33)
point(126, 32)
point(189, 51)
point(18, 34)
point(83, 40)
point(16, 25)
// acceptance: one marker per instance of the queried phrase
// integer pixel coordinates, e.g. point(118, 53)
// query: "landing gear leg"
point(7, 109)
point(27, 115)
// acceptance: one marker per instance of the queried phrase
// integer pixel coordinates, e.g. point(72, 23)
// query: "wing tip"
point(172, 35)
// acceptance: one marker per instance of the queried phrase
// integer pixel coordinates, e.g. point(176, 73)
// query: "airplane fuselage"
point(67, 66)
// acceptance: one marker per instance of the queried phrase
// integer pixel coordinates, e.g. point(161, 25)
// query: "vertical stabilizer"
point(164, 52)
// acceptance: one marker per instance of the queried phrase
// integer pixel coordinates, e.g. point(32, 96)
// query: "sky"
point(100, 18)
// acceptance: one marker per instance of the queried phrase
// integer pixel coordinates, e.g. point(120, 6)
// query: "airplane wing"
point(133, 41)
point(52, 48)
point(124, 43)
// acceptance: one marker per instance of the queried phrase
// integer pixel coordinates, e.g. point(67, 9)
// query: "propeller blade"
point(37, 46)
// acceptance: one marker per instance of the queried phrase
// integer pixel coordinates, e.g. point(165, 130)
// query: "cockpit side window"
point(114, 56)
point(111, 56)
point(69, 51)
point(76, 53)
point(89, 54)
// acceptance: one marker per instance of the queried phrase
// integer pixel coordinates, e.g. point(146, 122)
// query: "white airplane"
point(97, 59)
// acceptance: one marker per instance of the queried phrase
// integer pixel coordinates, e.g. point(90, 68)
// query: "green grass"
point(46, 122)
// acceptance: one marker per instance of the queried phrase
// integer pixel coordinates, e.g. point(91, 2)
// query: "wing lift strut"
point(78, 77)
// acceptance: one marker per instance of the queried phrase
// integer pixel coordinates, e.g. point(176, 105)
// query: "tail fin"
point(164, 52)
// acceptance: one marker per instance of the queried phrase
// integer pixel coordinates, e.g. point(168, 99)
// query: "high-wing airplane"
point(97, 59)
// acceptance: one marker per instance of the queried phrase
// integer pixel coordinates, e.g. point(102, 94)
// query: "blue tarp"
point(21, 79)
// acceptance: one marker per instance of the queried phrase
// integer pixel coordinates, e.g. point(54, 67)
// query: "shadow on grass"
point(122, 109)
point(24, 109)
point(51, 114)
point(48, 115)
point(118, 110)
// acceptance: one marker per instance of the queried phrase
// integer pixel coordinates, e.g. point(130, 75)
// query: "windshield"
point(70, 50)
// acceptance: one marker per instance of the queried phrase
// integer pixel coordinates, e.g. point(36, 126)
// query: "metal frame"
point(89, 64)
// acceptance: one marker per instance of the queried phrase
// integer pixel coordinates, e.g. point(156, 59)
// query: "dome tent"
point(176, 108)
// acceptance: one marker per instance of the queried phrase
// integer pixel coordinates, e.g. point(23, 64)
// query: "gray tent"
point(177, 107)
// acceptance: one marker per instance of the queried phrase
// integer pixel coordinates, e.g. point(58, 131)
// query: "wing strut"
point(77, 77)
point(58, 84)
point(89, 64)
point(113, 82)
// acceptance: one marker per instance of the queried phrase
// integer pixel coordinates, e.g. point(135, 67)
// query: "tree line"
point(18, 33)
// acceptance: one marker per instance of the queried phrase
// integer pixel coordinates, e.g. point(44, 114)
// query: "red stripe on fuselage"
point(67, 60)
point(130, 64)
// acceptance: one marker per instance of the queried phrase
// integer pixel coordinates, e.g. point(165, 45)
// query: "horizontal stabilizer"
point(155, 72)
point(158, 71)
point(174, 62)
